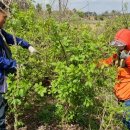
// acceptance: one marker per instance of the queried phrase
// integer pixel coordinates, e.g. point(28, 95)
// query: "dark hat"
point(4, 8)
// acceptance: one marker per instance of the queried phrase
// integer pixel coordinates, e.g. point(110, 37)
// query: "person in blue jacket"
point(7, 64)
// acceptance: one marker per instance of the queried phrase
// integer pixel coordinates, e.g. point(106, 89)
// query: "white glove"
point(124, 55)
point(32, 50)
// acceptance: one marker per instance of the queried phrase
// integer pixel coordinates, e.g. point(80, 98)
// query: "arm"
point(127, 62)
point(8, 65)
point(10, 40)
point(109, 61)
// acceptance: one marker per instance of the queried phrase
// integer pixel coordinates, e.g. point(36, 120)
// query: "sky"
point(98, 6)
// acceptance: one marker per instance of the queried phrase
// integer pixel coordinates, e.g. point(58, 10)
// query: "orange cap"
point(123, 36)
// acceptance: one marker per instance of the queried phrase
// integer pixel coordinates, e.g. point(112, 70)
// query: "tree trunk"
point(60, 6)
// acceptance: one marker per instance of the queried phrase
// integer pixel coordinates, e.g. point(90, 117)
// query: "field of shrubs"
point(62, 86)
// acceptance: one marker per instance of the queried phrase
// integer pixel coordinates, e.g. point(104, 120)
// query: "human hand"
point(124, 54)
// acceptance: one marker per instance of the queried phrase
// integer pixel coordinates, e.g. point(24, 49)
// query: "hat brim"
point(5, 12)
point(117, 43)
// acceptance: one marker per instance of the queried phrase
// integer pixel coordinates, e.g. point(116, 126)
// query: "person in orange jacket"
point(122, 61)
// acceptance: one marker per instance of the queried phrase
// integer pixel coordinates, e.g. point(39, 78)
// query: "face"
point(3, 17)
point(120, 48)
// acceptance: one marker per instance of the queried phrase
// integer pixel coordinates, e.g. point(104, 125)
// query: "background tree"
point(39, 7)
point(49, 8)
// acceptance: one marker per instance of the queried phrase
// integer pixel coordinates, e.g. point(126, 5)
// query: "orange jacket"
point(122, 85)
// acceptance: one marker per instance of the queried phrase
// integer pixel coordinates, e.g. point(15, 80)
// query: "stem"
point(109, 121)
point(17, 84)
point(104, 112)
point(15, 117)
point(62, 47)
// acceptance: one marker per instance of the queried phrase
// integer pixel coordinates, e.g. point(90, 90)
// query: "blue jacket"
point(7, 65)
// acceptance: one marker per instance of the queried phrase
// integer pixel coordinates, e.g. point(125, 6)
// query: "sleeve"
point(109, 61)
point(127, 62)
point(10, 40)
point(7, 64)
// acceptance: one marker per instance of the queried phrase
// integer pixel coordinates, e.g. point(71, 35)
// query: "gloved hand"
point(32, 49)
point(124, 54)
